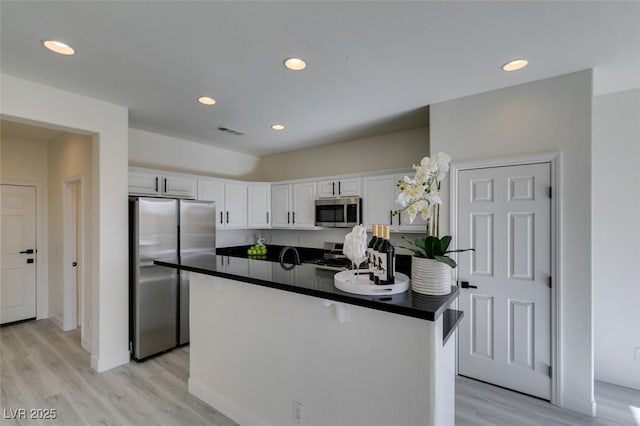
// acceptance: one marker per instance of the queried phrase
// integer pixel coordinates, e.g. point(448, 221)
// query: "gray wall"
point(616, 236)
point(552, 115)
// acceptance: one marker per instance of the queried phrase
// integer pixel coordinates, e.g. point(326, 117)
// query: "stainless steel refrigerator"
point(159, 296)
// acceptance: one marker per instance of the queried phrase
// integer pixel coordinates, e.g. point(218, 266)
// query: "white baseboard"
point(104, 364)
point(579, 405)
point(222, 404)
point(57, 321)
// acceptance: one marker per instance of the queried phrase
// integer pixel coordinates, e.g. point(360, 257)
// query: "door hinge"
point(550, 281)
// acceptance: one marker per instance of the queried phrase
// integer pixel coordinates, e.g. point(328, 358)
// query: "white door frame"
point(555, 160)
point(72, 196)
point(42, 282)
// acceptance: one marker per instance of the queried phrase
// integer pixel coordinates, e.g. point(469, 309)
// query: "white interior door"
point(505, 336)
point(18, 285)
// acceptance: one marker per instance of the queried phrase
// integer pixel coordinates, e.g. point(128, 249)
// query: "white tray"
point(363, 285)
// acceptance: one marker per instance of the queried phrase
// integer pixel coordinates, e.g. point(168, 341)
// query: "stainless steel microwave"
point(339, 212)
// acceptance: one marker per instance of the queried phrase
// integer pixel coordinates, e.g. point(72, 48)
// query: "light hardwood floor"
point(42, 367)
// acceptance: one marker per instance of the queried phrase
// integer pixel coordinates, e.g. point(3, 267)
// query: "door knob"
point(74, 264)
point(29, 251)
point(465, 284)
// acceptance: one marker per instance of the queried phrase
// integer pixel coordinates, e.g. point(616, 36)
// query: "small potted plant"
point(430, 266)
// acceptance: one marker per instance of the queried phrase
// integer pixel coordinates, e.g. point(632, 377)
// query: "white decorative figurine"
point(355, 247)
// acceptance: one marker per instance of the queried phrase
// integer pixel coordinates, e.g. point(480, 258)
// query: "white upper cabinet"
point(293, 205)
point(213, 190)
point(178, 187)
point(378, 200)
point(142, 183)
point(259, 205)
point(235, 202)
point(304, 205)
point(281, 206)
point(231, 202)
point(339, 188)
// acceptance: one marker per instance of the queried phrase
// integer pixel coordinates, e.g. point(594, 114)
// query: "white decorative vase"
point(430, 277)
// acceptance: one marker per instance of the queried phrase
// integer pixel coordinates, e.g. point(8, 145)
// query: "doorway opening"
point(73, 257)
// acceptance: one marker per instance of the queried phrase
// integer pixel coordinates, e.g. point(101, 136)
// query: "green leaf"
point(447, 260)
point(418, 251)
point(459, 251)
point(444, 243)
point(432, 246)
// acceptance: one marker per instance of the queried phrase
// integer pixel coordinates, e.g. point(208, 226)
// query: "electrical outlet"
point(637, 353)
point(297, 413)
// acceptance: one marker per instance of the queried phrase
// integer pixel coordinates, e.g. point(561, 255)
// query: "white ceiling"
point(372, 66)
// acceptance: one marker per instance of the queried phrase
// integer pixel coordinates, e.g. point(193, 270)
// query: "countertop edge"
point(344, 298)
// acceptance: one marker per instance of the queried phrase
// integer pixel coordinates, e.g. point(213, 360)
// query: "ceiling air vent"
point(231, 131)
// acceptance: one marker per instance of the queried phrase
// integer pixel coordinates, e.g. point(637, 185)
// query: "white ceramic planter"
point(430, 277)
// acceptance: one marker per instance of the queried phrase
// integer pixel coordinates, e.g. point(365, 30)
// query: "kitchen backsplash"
point(300, 238)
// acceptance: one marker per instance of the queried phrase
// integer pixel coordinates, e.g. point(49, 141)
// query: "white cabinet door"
point(144, 184)
point(327, 189)
point(348, 187)
point(178, 187)
point(259, 206)
point(338, 188)
point(378, 200)
point(401, 222)
point(281, 206)
point(212, 190)
point(304, 196)
point(235, 202)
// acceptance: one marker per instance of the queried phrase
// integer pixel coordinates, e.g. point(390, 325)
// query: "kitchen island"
point(273, 342)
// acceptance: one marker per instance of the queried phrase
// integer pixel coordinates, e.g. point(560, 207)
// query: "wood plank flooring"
point(42, 367)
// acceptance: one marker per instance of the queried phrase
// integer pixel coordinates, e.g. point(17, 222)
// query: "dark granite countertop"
point(311, 281)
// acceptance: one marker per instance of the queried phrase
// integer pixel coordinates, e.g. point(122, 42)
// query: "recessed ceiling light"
point(58, 47)
point(206, 100)
point(295, 64)
point(515, 65)
point(277, 127)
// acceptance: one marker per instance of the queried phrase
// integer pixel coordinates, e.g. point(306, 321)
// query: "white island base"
point(255, 350)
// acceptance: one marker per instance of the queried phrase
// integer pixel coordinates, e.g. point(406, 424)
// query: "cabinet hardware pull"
point(221, 222)
point(333, 188)
point(156, 183)
point(29, 260)
point(294, 218)
point(288, 217)
point(165, 184)
point(339, 188)
point(28, 251)
point(227, 217)
point(390, 217)
point(400, 219)
point(267, 217)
